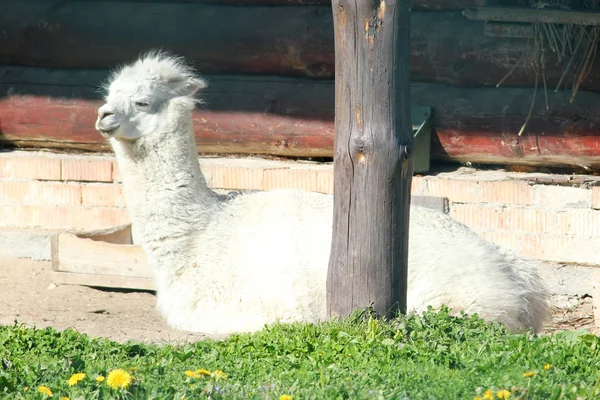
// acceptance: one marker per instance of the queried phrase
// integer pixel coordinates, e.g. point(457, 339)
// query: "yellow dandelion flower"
point(476, 398)
point(191, 374)
point(488, 395)
point(529, 374)
point(547, 367)
point(99, 379)
point(118, 378)
point(503, 394)
point(76, 378)
point(45, 390)
point(285, 397)
point(203, 372)
point(218, 374)
point(64, 398)
point(26, 388)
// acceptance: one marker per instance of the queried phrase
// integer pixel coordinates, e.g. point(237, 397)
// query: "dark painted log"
point(445, 48)
point(426, 5)
point(216, 39)
point(373, 165)
point(417, 5)
point(265, 115)
point(294, 117)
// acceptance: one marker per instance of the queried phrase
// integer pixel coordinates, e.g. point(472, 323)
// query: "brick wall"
point(554, 222)
point(84, 192)
point(543, 221)
point(45, 190)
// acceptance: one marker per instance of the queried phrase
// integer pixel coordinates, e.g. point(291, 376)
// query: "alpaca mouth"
point(107, 131)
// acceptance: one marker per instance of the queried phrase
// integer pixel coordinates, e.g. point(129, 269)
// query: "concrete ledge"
point(569, 279)
point(26, 243)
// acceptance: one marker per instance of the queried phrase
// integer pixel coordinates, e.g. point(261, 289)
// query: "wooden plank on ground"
point(87, 256)
point(103, 280)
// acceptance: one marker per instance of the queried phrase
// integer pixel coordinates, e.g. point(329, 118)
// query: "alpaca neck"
point(166, 193)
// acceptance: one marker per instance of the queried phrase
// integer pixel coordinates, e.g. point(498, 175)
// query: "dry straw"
point(574, 47)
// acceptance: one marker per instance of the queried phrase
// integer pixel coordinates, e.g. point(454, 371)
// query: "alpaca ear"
point(192, 85)
point(187, 86)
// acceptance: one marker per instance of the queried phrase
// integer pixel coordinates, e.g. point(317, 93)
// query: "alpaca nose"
point(103, 124)
point(104, 112)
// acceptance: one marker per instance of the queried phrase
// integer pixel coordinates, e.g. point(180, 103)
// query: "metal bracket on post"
point(421, 118)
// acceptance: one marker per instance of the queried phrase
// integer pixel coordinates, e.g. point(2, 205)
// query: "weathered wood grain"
point(225, 39)
point(294, 117)
point(431, 5)
point(373, 162)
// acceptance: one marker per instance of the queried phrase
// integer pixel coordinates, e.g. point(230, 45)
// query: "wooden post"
point(372, 157)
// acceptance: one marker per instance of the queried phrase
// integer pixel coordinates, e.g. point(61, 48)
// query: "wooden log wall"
point(297, 41)
point(294, 117)
point(270, 68)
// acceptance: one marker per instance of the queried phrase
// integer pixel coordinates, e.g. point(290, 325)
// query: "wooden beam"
point(416, 5)
point(373, 163)
point(295, 117)
point(422, 5)
point(298, 43)
point(89, 34)
point(523, 14)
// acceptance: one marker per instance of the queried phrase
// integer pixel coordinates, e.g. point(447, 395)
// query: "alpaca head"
point(147, 97)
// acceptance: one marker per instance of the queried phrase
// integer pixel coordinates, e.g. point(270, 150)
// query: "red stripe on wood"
point(295, 118)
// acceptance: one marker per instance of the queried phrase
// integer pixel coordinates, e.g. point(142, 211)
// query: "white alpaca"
point(225, 266)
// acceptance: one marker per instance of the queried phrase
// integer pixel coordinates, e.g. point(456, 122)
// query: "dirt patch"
point(572, 313)
point(28, 295)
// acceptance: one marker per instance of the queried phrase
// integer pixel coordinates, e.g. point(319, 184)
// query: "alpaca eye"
point(142, 104)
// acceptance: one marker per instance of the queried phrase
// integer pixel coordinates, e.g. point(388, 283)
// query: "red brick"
point(13, 192)
point(507, 192)
point(579, 222)
point(532, 245)
point(457, 191)
point(55, 217)
point(596, 197)
point(324, 181)
point(560, 197)
point(47, 217)
point(571, 249)
point(9, 216)
point(55, 193)
point(107, 195)
point(522, 244)
point(277, 178)
point(90, 218)
point(30, 167)
point(528, 220)
point(87, 169)
point(220, 177)
point(478, 217)
point(116, 174)
point(39, 193)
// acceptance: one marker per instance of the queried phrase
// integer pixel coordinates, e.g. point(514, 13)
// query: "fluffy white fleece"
point(225, 266)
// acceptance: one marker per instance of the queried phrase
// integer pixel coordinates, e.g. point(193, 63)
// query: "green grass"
point(435, 356)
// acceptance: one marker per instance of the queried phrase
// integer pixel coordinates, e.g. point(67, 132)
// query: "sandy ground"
point(28, 295)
